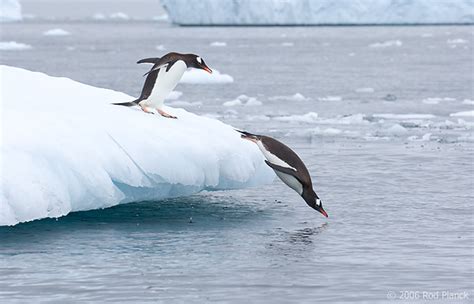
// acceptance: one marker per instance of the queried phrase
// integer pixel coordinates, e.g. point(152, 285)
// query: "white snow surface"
point(198, 76)
point(10, 10)
point(66, 148)
point(307, 12)
point(13, 46)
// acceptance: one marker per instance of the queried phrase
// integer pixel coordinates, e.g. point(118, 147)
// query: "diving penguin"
point(288, 167)
point(163, 78)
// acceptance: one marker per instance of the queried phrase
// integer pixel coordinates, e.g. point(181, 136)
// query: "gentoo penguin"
point(163, 78)
point(288, 167)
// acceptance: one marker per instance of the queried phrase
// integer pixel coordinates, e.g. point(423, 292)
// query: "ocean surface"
point(378, 119)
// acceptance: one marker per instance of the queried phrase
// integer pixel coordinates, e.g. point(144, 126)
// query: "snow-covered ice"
point(295, 97)
point(305, 12)
point(218, 43)
point(330, 98)
point(463, 114)
point(10, 10)
point(385, 44)
point(13, 46)
point(64, 152)
point(119, 16)
point(243, 100)
point(310, 117)
point(197, 76)
point(56, 32)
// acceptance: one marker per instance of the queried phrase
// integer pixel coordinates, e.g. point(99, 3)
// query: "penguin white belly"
point(291, 182)
point(165, 83)
point(273, 158)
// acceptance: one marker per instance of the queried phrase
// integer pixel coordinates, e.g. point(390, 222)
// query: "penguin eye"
point(198, 59)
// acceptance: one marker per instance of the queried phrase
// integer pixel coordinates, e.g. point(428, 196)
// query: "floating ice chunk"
point(10, 10)
point(119, 16)
point(180, 103)
point(287, 44)
point(163, 17)
point(462, 114)
point(257, 117)
point(296, 97)
point(243, 100)
point(396, 129)
point(88, 154)
point(13, 46)
point(468, 101)
point(365, 90)
point(404, 116)
point(196, 76)
point(99, 17)
point(436, 100)
point(330, 98)
point(218, 43)
point(354, 119)
point(56, 32)
point(160, 47)
point(310, 117)
point(174, 95)
point(425, 137)
point(457, 41)
point(385, 44)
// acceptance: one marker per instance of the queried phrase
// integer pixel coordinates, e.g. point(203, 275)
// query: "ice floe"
point(243, 100)
point(404, 116)
point(365, 90)
point(197, 76)
point(218, 43)
point(10, 10)
point(56, 32)
point(330, 98)
point(385, 44)
point(13, 46)
point(72, 150)
point(295, 97)
point(463, 114)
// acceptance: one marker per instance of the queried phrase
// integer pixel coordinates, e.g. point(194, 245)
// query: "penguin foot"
point(164, 114)
point(147, 110)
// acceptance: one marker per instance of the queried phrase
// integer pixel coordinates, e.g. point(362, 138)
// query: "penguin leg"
point(146, 109)
point(164, 114)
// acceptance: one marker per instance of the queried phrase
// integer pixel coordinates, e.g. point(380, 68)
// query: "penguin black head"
point(312, 199)
point(195, 61)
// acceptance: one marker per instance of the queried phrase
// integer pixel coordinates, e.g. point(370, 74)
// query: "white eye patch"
point(318, 202)
point(198, 59)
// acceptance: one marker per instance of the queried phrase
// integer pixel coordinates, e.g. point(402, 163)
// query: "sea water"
point(398, 188)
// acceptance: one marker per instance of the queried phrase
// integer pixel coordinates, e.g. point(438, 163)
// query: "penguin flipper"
point(285, 170)
point(149, 60)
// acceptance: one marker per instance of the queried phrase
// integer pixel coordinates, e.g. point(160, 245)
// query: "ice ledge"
point(65, 148)
point(319, 12)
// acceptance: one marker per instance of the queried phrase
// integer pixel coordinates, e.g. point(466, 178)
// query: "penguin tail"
point(126, 104)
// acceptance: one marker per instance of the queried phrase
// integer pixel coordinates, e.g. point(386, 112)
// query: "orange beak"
point(205, 68)
point(323, 212)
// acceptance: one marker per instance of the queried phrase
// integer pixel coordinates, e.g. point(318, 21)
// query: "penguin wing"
point(149, 84)
point(149, 60)
point(285, 170)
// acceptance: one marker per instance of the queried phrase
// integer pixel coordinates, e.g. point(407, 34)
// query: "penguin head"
point(314, 202)
point(197, 62)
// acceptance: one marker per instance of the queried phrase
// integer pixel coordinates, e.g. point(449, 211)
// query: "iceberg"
point(316, 12)
point(65, 148)
point(10, 10)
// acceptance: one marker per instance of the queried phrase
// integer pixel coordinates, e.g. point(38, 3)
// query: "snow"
point(56, 32)
point(198, 76)
point(306, 12)
point(385, 44)
point(10, 10)
point(243, 100)
point(218, 43)
point(463, 114)
point(13, 46)
point(66, 148)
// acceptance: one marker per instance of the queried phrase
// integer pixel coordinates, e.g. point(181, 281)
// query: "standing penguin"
point(288, 167)
point(163, 78)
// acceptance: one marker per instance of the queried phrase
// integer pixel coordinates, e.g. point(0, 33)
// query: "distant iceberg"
point(314, 12)
point(10, 10)
point(66, 148)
